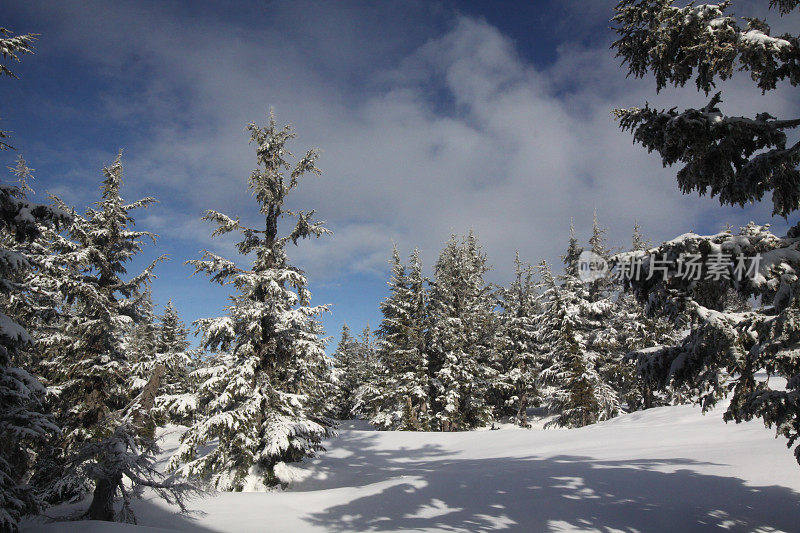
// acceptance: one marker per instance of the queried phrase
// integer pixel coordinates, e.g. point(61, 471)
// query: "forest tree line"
point(456, 353)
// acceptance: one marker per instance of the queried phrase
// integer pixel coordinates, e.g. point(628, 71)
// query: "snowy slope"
point(666, 469)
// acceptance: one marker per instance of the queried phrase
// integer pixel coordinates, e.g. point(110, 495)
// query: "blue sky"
point(432, 118)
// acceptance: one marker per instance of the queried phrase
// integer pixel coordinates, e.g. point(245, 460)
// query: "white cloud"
point(421, 135)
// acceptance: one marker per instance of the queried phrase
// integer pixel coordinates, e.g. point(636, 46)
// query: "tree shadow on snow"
point(354, 462)
point(149, 513)
point(428, 488)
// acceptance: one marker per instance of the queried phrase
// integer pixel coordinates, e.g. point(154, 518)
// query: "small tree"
point(140, 343)
point(106, 445)
point(348, 373)
point(176, 401)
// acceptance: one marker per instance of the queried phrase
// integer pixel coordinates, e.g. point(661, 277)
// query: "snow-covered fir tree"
point(348, 373)
point(405, 403)
point(371, 393)
point(23, 420)
point(176, 401)
point(600, 287)
point(140, 342)
point(608, 339)
point(105, 446)
point(172, 334)
point(24, 423)
point(571, 331)
point(517, 344)
point(11, 48)
point(637, 330)
point(266, 399)
point(571, 257)
point(738, 160)
point(463, 327)
point(32, 306)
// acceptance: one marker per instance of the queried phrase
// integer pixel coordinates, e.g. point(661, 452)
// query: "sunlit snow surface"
point(665, 469)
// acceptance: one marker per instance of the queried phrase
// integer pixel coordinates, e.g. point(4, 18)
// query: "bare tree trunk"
point(147, 398)
point(522, 412)
point(102, 507)
point(413, 421)
point(647, 396)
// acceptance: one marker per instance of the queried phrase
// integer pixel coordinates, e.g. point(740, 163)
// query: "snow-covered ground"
point(666, 469)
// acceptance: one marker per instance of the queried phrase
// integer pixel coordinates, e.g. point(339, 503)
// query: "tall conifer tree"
point(268, 401)
point(462, 336)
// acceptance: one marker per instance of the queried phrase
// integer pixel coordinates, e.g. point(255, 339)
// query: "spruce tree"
point(739, 160)
point(578, 340)
point(608, 340)
point(140, 344)
point(579, 394)
point(462, 336)
point(373, 395)
point(23, 418)
point(176, 401)
point(572, 256)
point(106, 444)
point(517, 343)
point(267, 402)
point(348, 375)
point(403, 348)
point(599, 288)
point(639, 330)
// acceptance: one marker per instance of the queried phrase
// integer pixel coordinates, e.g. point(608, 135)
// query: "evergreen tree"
point(140, 345)
point(106, 443)
point(599, 288)
point(176, 402)
point(462, 336)
point(23, 421)
point(348, 373)
point(573, 253)
point(32, 305)
point(403, 348)
point(608, 340)
point(739, 160)
point(639, 330)
point(579, 393)
point(638, 241)
point(271, 389)
point(10, 50)
point(172, 332)
point(517, 343)
point(372, 392)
